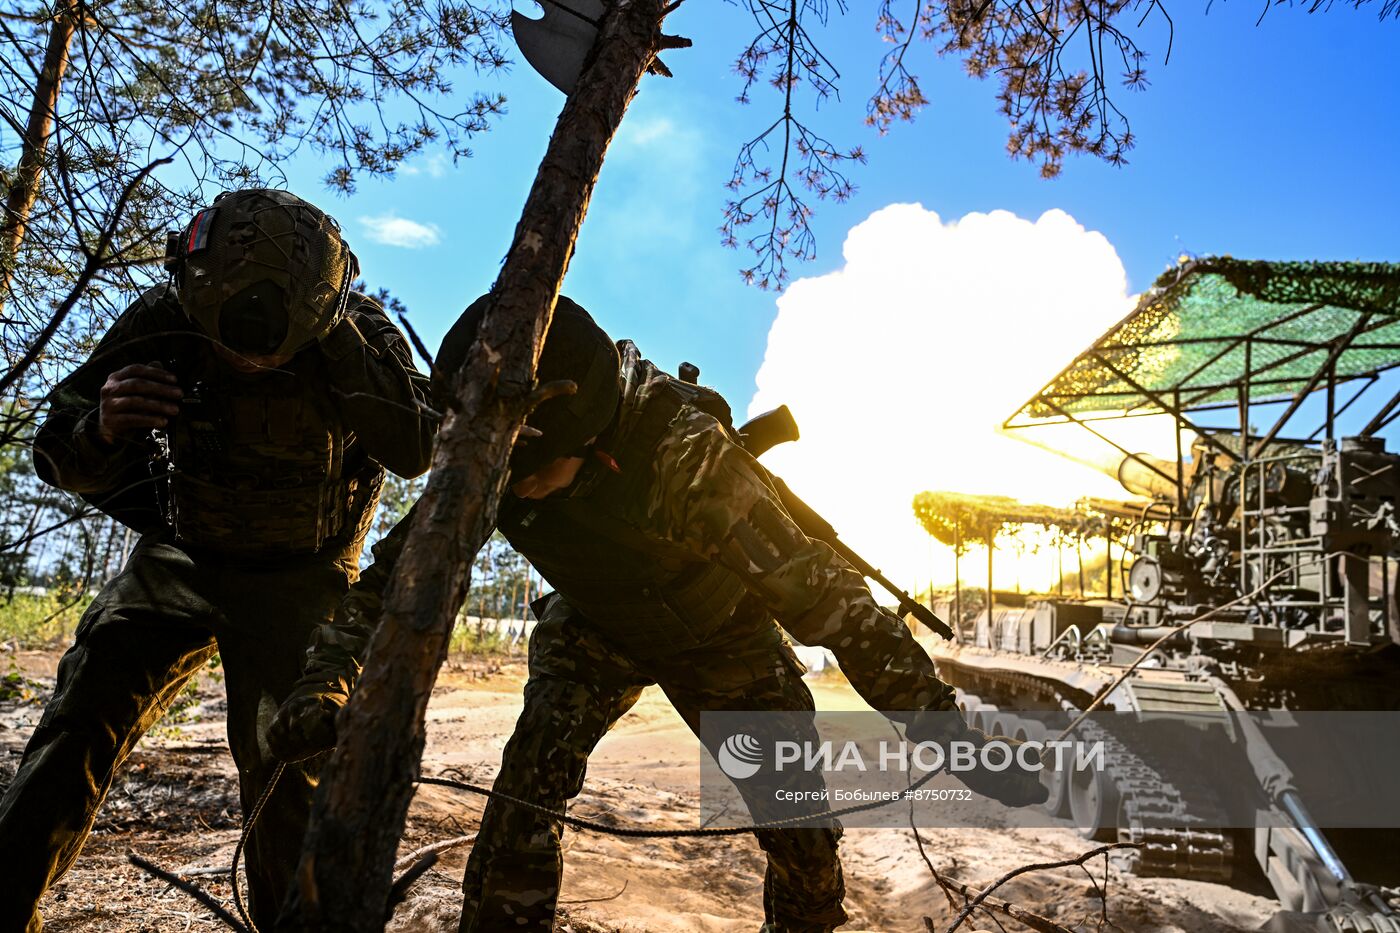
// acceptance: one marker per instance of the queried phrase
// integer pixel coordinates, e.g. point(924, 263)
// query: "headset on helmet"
point(262, 271)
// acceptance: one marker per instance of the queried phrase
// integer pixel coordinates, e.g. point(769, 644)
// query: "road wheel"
point(1057, 805)
point(1057, 785)
point(1004, 723)
point(1093, 804)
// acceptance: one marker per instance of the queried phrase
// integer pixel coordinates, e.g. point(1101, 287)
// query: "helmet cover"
point(263, 272)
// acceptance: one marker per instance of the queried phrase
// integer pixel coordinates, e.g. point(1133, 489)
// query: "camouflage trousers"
point(145, 634)
point(579, 685)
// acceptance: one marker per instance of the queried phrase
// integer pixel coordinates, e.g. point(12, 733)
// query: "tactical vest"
point(649, 596)
point(258, 464)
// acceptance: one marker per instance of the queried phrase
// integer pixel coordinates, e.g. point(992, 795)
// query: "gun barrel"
point(1146, 475)
point(1141, 474)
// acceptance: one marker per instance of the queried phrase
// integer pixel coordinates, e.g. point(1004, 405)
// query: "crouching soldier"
point(671, 557)
point(280, 396)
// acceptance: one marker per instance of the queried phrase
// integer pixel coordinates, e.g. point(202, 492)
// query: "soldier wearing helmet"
point(240, 418)
point(674, 562)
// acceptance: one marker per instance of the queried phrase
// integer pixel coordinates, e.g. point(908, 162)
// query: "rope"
point(592, 826)
point(576, 822)
point(243, 841)
point(791, 822)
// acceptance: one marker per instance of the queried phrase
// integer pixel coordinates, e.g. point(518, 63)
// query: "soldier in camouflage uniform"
point(282, 396)
point(671, 556)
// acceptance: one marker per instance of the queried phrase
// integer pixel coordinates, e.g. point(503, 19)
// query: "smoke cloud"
point(901, 365)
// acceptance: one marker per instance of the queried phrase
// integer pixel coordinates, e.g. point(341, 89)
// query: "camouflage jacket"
point(707, 497)
point(363, 368)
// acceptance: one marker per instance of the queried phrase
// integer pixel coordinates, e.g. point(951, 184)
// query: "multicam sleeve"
point(337, 650)
point(67, 451)
point(382, 396)
point(713, 498)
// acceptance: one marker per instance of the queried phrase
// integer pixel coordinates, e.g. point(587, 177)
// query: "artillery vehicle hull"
point(1254, 574)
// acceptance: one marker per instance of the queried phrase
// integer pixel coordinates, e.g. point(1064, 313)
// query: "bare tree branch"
point(95, 260)
point(1025, 869)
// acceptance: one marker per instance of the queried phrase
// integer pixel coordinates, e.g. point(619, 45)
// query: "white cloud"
point(434, 166)
point(651, 202)
point(392, 230)
point(655, 129)
point(900, 366)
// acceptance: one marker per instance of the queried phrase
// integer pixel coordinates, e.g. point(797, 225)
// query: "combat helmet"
point(576, 349)
point(262, 271)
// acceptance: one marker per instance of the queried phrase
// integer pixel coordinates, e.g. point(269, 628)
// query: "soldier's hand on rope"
point(137, 398)
point(1016, 786)
point(305, 724)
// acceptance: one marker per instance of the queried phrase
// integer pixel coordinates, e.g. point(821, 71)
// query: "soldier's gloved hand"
point(305, 724)
point(1015, 786)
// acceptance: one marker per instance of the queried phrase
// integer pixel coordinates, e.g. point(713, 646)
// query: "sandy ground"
point(176, 803)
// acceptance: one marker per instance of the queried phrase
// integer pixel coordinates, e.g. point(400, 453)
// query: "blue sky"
point(1271, 141)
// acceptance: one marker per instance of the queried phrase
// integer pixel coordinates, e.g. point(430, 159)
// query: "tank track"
point(1357, 920)
point(1154, 807)
point(1154, 804)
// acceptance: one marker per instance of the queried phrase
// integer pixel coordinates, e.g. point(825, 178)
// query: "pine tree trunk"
point(24, 189)
point(102, 569)
point(344, 879)
point(126, 548)
point(482, 569)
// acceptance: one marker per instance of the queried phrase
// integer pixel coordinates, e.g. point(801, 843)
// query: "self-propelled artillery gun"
point(1252, 573)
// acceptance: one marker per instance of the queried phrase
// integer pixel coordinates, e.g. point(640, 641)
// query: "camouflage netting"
point(949, 516)
point(1210, 327)
point(946, 515)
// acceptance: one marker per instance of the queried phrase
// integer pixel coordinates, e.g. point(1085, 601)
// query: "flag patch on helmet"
point(199, 231)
